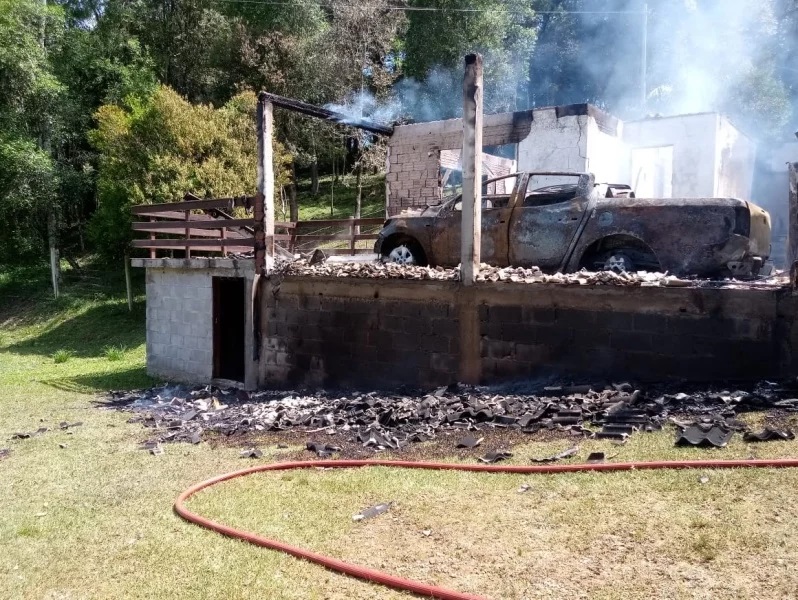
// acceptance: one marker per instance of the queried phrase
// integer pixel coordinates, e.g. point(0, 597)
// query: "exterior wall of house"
point(554, 143)
point(386, 333)
point(414, 154)
point(180, 315)
point(700, 155)
point(693, 139)
point(735, 156)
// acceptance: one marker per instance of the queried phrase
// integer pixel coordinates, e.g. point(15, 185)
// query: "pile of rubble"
point(378, 270)
point(583, 277)
point(367, 270)
point(392, 421)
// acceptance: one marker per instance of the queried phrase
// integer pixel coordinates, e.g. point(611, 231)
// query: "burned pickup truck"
point(565, 222)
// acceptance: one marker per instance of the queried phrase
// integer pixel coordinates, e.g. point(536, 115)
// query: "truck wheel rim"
point(617, 263)
point(402, 255)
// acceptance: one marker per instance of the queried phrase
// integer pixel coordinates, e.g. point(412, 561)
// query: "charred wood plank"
point(325, 114)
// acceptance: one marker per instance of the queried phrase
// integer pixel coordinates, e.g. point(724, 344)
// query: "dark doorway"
point(229, 322)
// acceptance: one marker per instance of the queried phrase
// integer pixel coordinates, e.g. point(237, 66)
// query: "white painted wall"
point(693, 138)
point(704, 154)
point(735, 158)
point(607, 154)
point(554, 144)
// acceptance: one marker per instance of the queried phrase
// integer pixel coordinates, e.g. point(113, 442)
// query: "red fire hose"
point(409, 585)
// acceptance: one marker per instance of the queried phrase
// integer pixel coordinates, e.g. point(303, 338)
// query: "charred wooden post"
point(471, 227)
point(792, 236)
point(325, 114)
point(471, 233)
point(264, 199)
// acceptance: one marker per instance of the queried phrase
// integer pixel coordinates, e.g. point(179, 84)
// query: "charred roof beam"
point(325, 114)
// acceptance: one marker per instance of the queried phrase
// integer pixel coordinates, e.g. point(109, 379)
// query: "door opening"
point(229, 327)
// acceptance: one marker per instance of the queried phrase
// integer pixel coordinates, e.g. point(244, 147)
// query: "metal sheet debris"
point(495, 456)
point(373, 511)
point(469, 441)
point(322, 450)
point(698, 435)
point(559, 456)
point(768, 434)
point(599, 457)
point(391, 421)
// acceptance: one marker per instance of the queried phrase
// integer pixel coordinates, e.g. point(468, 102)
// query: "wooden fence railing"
point(343, 236)
point(208, 225)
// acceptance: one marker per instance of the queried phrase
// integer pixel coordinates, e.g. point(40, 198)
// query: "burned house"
point(238, 318)
point(687, 156)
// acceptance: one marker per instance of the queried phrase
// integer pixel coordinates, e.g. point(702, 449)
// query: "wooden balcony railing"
point(208, 226)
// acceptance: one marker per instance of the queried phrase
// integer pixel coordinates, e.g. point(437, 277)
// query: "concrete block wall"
point(324, 340)
point(701, 336)
point(179, 324)
point(180, 315)
point(366, 334)
point(413, 177)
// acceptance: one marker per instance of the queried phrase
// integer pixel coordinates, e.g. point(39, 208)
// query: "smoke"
point(436, 97)
point(700, 56)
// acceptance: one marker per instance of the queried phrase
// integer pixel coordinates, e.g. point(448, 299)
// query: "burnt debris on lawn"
point(392, 421)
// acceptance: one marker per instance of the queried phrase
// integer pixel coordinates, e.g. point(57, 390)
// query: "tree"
point(29, 93)
point(156, 150)
point(438, 39)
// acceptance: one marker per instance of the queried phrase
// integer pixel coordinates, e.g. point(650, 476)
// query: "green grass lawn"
point(341, 196)
point(94, 519)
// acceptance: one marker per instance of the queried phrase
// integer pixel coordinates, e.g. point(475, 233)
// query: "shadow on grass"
point(26, 297)
point(91, 383)
point(87, 334)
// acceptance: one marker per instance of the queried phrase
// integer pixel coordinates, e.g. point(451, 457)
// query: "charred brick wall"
point(631, 341)
point(347, 335)
point(358, 333)
point(414, 153)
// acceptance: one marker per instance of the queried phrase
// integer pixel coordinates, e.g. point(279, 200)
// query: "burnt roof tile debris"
point(372, 511)
point(469, 441)
point(322, 450)
point(699, 435)
point(251, 453)
point(303, 267)
point(768, 434)
point(495, 456)
point(391, 421)
point(568, 453)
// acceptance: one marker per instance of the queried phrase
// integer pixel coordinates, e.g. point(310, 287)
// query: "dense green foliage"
point(108, 103)
point(157, 150)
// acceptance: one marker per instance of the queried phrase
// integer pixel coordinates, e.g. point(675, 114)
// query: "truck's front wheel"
point(404, 251)
point(618, 262)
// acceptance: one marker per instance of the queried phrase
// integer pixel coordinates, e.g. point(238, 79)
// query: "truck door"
point(496, 212)
point(546, 218)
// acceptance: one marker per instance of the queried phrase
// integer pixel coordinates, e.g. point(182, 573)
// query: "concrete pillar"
point(471, 232)
point(792, 236)
point(264, 199)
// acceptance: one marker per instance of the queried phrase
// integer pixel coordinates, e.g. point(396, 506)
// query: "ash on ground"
point(380, 421)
